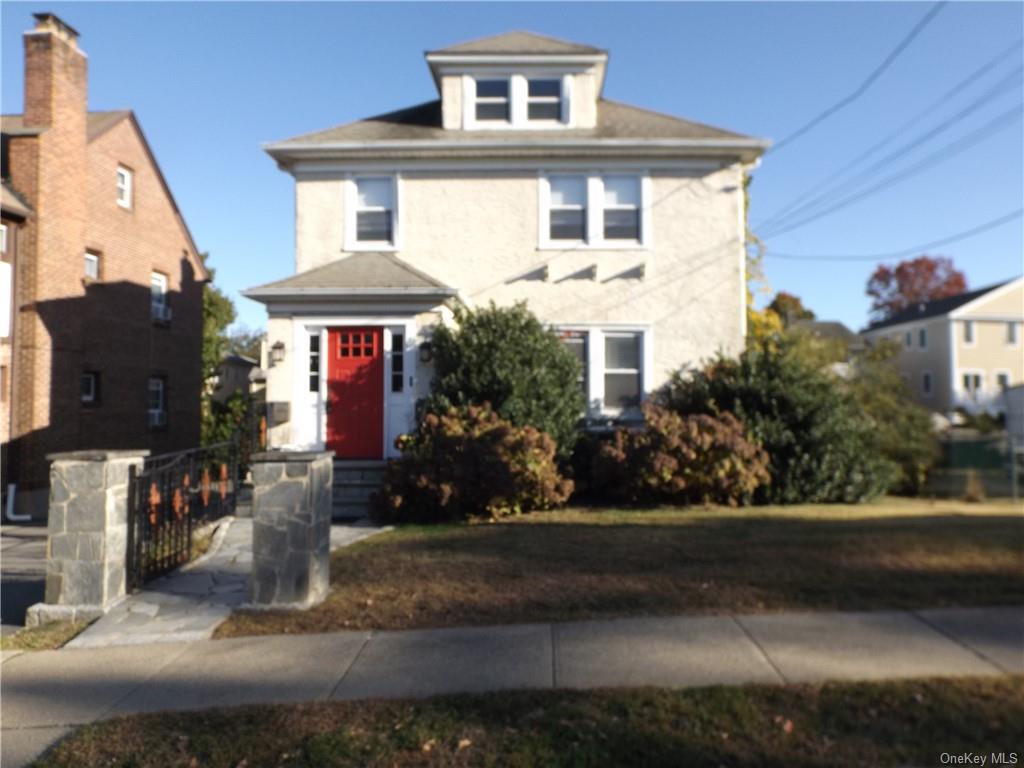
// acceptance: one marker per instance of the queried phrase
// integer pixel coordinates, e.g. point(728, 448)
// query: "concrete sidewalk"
point(47, 694)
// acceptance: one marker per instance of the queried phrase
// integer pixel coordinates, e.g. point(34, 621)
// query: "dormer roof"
point(519, 43)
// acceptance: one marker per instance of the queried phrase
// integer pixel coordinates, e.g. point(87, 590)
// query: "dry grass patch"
point(45, 637)
point(582, 563)
point(848, 724)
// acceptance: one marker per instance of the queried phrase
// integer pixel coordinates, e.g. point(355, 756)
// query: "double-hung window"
point(922, 337)
point(92, 265)
point(926, 383)
point(568, 210)
point(156, 401)
point(576, 343)
point(622, 360)
point(968, 331)
point(158, 308)
point(124, 187)
point(374, 220)
point(972, 385)
point(493, 102)
point(1011, 333)
point(543, 99)
point(89, 387)
point(595, 210)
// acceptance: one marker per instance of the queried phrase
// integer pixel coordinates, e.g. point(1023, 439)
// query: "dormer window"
point(516, 101)
point(543, 99)
point(492, 100)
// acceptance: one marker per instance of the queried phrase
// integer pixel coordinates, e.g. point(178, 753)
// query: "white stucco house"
point(622, 228)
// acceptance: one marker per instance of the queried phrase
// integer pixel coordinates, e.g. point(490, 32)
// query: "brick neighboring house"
point(104, 301)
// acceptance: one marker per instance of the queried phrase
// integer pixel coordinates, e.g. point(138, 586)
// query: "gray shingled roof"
point(366, 274)
point(422, 122)
point(934, 308)
point(97, 123)
point(519, 42)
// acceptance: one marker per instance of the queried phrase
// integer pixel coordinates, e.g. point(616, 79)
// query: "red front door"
point(355, 393)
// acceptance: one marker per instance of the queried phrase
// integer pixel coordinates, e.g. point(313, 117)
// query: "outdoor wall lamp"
point(277, 353)
point(426, 352)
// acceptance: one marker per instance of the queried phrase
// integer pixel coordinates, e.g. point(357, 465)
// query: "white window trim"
point(595, 362)
point(963, 333)
point(594, 222)
point(351, 243)
point(92, 258)
point(126, 191)
point(928, 393)
point(518, 94)
point(158, 278)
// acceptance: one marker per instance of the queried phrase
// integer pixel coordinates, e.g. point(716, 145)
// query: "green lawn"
point(849, 724)
point(581, 563)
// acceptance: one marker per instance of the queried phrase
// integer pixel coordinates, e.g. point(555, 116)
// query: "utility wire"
point(944, 153)
point(939, 102)
point(1010, 82)
point(886, 63)
point(1005, 219)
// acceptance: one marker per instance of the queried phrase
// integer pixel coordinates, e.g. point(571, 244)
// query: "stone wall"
point(88, 534)
point(292, 500)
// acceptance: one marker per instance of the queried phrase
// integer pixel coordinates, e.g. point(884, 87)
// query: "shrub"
point(505, 357)
point(683, 459)
point(470, 462)
point(820, 447)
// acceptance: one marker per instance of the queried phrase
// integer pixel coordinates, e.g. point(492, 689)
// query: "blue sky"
point(211, 82)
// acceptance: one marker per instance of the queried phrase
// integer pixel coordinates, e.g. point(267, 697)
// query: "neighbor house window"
point(568, 213)
point(908, 339)
point(972, 384)
point(968, 331)
point(157, 401)
point(576, 343)
point(124, 187)
point(1011, 332)
point(926, 383)
point(92, 265)
point(314, 362)
point(158, 297)
point(602, 211)
point(1003, 381)
point(622, 355)
point(922, 338)
point(397, 362)
point(492, 100)
point(544, 99)
point(89, 387)
point(375, 210)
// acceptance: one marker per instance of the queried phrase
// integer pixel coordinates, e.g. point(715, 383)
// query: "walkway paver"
point(190, 603)
point(50, 691)
point(22, 581)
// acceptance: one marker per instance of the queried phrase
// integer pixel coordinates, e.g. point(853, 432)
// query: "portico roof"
point(371, 274)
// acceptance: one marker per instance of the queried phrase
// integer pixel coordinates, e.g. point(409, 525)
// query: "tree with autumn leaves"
point(911, 282)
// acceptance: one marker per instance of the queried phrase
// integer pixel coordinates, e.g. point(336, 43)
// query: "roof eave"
point(268, 295)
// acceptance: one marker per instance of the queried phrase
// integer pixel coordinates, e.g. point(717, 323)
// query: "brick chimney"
point(56, 83)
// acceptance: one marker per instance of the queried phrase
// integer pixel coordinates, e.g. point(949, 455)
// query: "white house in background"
point(962, 351)
point(622, 228)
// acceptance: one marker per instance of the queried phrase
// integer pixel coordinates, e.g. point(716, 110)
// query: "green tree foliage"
point(697, 459)
point(469, 462)
point(218, 314)
point(821, 448)
point(505, 357)
point(789, 308)
point(246, 342)
point(903, 428)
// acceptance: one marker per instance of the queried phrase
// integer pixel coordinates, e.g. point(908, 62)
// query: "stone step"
point(350, 510)
point(351, 477)
point(361, 492)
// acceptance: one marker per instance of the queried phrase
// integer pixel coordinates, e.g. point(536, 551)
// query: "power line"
point(886, 63)
point(1008, 83)
point(939, 102)
point(944, 153)
point(1005, 219)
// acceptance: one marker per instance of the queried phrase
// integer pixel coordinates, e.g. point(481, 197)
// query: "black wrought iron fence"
point(169, 497)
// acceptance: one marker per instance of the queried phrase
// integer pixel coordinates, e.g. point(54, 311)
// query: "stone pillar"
point(87, 535)
point(291, 533)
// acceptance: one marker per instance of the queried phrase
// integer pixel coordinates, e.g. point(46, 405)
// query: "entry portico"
point(352, 334)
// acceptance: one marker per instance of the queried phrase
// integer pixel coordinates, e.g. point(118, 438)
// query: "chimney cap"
point(48, 20)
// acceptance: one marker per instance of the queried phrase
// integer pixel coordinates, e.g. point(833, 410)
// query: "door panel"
point(355, 393)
